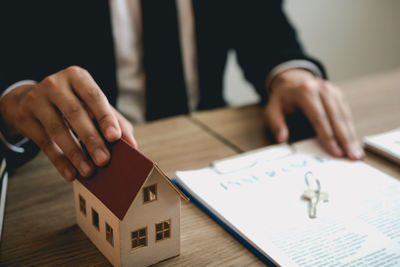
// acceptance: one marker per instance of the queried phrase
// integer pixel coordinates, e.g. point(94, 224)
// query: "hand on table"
point(49, 112)
point(322, 103)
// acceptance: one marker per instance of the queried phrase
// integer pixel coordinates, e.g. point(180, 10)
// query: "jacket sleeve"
point(264, 39)
point(18, 53)
point(39, 38)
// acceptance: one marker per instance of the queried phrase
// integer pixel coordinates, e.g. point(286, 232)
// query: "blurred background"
point(351, 38)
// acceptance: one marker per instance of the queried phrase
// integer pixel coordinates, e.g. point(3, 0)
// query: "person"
point(64, 64)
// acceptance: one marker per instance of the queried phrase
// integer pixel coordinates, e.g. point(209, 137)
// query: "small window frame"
point(82, 204)
point(109, 234)
point(97, 224)
point(146, 193)
point(139, 237)
point(160, 228)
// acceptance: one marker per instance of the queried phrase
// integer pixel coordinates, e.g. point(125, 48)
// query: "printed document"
point(259, 196)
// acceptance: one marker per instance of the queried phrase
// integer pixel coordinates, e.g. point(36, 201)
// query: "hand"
point(322, 103)
point(49, 112)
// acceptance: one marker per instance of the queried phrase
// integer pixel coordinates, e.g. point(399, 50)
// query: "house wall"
point(140, 215)
point(98, 237)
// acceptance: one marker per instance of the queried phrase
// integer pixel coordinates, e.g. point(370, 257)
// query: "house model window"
point(82, 204)
point(150, 193)
point(95, 219)
point(163, 230)
point(109, 234)
point(139, 238)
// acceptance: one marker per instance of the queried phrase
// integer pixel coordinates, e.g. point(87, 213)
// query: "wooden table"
point(40, 226)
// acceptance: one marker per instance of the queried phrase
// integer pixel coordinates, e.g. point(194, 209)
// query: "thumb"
point(126, 129)
point(127, 133)
point(128, 136)
point(275, 119)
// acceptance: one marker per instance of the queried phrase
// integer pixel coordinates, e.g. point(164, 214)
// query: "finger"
point(58, 131)
point(90, 93)
point(78, 119)
point(341, 123)
point(358, 152)
point(276, 121)
point(336, 119)
point(34, 131)
point(313, 108)
point(127, 129)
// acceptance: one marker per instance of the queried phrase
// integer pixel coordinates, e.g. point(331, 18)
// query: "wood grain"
point(178, 144)
point(243, 127)
point(374, 102)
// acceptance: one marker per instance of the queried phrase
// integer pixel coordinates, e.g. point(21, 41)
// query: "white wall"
point(352, 38)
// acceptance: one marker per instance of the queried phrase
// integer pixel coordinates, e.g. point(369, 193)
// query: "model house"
point(130, 210)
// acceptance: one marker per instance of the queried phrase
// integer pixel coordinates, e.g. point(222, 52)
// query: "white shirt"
point(127, 31)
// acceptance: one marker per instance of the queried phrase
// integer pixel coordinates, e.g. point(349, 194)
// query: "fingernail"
point(112, 133)
point(135, 144)
point(336, 150)
point(282, 135)
point(69, 174)
point(85, 168)
point(100, 156)
point(357, 152)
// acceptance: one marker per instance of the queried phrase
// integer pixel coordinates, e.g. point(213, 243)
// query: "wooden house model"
point(130, 210)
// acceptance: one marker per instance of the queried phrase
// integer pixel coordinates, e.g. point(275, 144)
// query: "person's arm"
point(17, 148)
point(58, 114)
point(321, 102)
point(40, 42)
point(266, 40)
point(292, 64)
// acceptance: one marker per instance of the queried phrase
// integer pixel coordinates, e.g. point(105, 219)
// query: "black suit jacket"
point(41, 37)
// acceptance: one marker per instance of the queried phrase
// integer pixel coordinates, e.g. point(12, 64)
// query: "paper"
point(387, 144)
point(360, 225)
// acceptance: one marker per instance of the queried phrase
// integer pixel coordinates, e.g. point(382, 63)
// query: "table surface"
point(40, 227)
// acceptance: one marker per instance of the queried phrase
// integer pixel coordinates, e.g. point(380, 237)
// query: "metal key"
point(312, 197)
point(315, 197)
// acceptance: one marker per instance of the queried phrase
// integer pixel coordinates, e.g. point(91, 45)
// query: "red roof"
point(118, 183)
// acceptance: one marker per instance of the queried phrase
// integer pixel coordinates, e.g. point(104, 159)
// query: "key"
point(310, 193)
point(313, 207)
point(314, 196)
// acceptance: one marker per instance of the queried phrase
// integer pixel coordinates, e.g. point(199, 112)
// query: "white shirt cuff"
point(18, 146)
point(293, 64)
point(15, 85)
